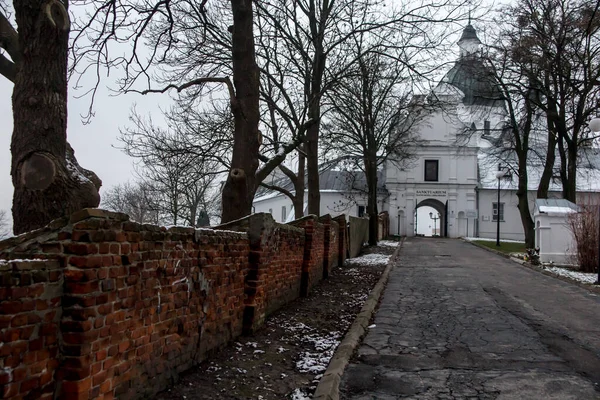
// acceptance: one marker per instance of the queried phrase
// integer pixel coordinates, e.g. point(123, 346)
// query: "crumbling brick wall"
point(275, 265)
point(312, 267)
point(30, 313)
point(140, 303)
point(342, 239)
point(331, 245)
point(116, 309)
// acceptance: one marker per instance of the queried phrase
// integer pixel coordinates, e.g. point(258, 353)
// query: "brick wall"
point(331, 245)
point(312, 266)
point(275, 265)
point(342, 239)
point(30, 314)
point(140, 303)
point(115, 309)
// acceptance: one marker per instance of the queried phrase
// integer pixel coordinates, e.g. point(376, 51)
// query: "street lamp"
point(499, 175)
point(434, 218)
point(594, 125)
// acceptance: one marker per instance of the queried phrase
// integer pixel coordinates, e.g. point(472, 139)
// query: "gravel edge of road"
point(590, 288)
point(329, 385)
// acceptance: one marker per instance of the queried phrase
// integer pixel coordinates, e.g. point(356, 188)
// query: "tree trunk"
point(312, 164)
point(312, 135)
point(371, 175)
point(570, 186)
point(299, 188)
point(240, 186)
point(526, 220)
point(544, 185)
point(563, 166)
point(48, 181)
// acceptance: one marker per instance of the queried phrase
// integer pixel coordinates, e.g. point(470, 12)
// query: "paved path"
point(459, 322)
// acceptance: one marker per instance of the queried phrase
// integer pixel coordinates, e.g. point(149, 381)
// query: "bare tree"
point(559, 38)
point(48, 181)
point(373, 115)
point(192, 48)
point(313, 35)
point(178, 165)
point(135, 200)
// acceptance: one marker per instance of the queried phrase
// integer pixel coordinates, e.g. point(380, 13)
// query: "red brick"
point(106, 386)
point(10, 390)
point(19, 320)
point(30, 384)
point(80, 386)
point(99, 378)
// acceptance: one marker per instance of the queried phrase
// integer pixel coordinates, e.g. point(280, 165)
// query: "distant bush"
point(584, 226)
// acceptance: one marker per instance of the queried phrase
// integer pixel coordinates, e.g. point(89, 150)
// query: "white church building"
point(450, 188)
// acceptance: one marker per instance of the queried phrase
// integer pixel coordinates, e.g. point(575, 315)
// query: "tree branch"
point(199, 81)
point(9, 39)
point(8, 69)
point(278, 189)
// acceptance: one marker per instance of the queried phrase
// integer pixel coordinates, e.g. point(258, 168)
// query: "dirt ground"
point(286, 358)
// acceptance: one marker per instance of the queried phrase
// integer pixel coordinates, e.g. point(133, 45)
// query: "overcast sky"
point(92, 143)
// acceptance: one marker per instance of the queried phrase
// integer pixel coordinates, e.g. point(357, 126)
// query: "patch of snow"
point(372, 326)
point(22, 260)
point(388, 243)
point(317, 362)
point(259, 351)
point(556, 210)
point(585, 277)
point(298, 394)
point(470, 239)
point(281, 350)
point(369, 260)
point(75, 172)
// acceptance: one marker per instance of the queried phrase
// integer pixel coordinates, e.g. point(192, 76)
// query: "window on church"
point(498, 212)
point(431, 170)
point(361, 211)
point(486, 128)
point(283, 214)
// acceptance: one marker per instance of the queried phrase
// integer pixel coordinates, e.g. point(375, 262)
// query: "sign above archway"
point(428, 193)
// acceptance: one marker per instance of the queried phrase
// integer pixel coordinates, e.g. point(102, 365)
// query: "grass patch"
point(505, 247)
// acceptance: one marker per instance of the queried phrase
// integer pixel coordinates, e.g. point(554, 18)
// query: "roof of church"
point(468, 34)
point(471, 76)
point(588, 173)
point(329, 181)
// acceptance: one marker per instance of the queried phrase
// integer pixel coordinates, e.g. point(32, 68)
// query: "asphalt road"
point(459, 322)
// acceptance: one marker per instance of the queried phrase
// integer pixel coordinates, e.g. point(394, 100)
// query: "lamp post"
point(434, 218)
point(499, 176)
point(594, 125)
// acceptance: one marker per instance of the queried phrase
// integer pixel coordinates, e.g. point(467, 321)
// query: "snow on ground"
point(298, 394)
point(323, 346)
point(585, 277)
point(470, 239)
point(369, 260)
point(388, 243)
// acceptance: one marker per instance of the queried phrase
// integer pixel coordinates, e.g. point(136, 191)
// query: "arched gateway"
point(440, 208)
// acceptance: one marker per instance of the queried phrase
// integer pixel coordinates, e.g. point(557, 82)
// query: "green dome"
point(470, 76)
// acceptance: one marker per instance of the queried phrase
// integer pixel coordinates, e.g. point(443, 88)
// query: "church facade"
point(451, 171)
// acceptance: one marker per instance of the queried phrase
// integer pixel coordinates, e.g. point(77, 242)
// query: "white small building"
point(553, 236)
